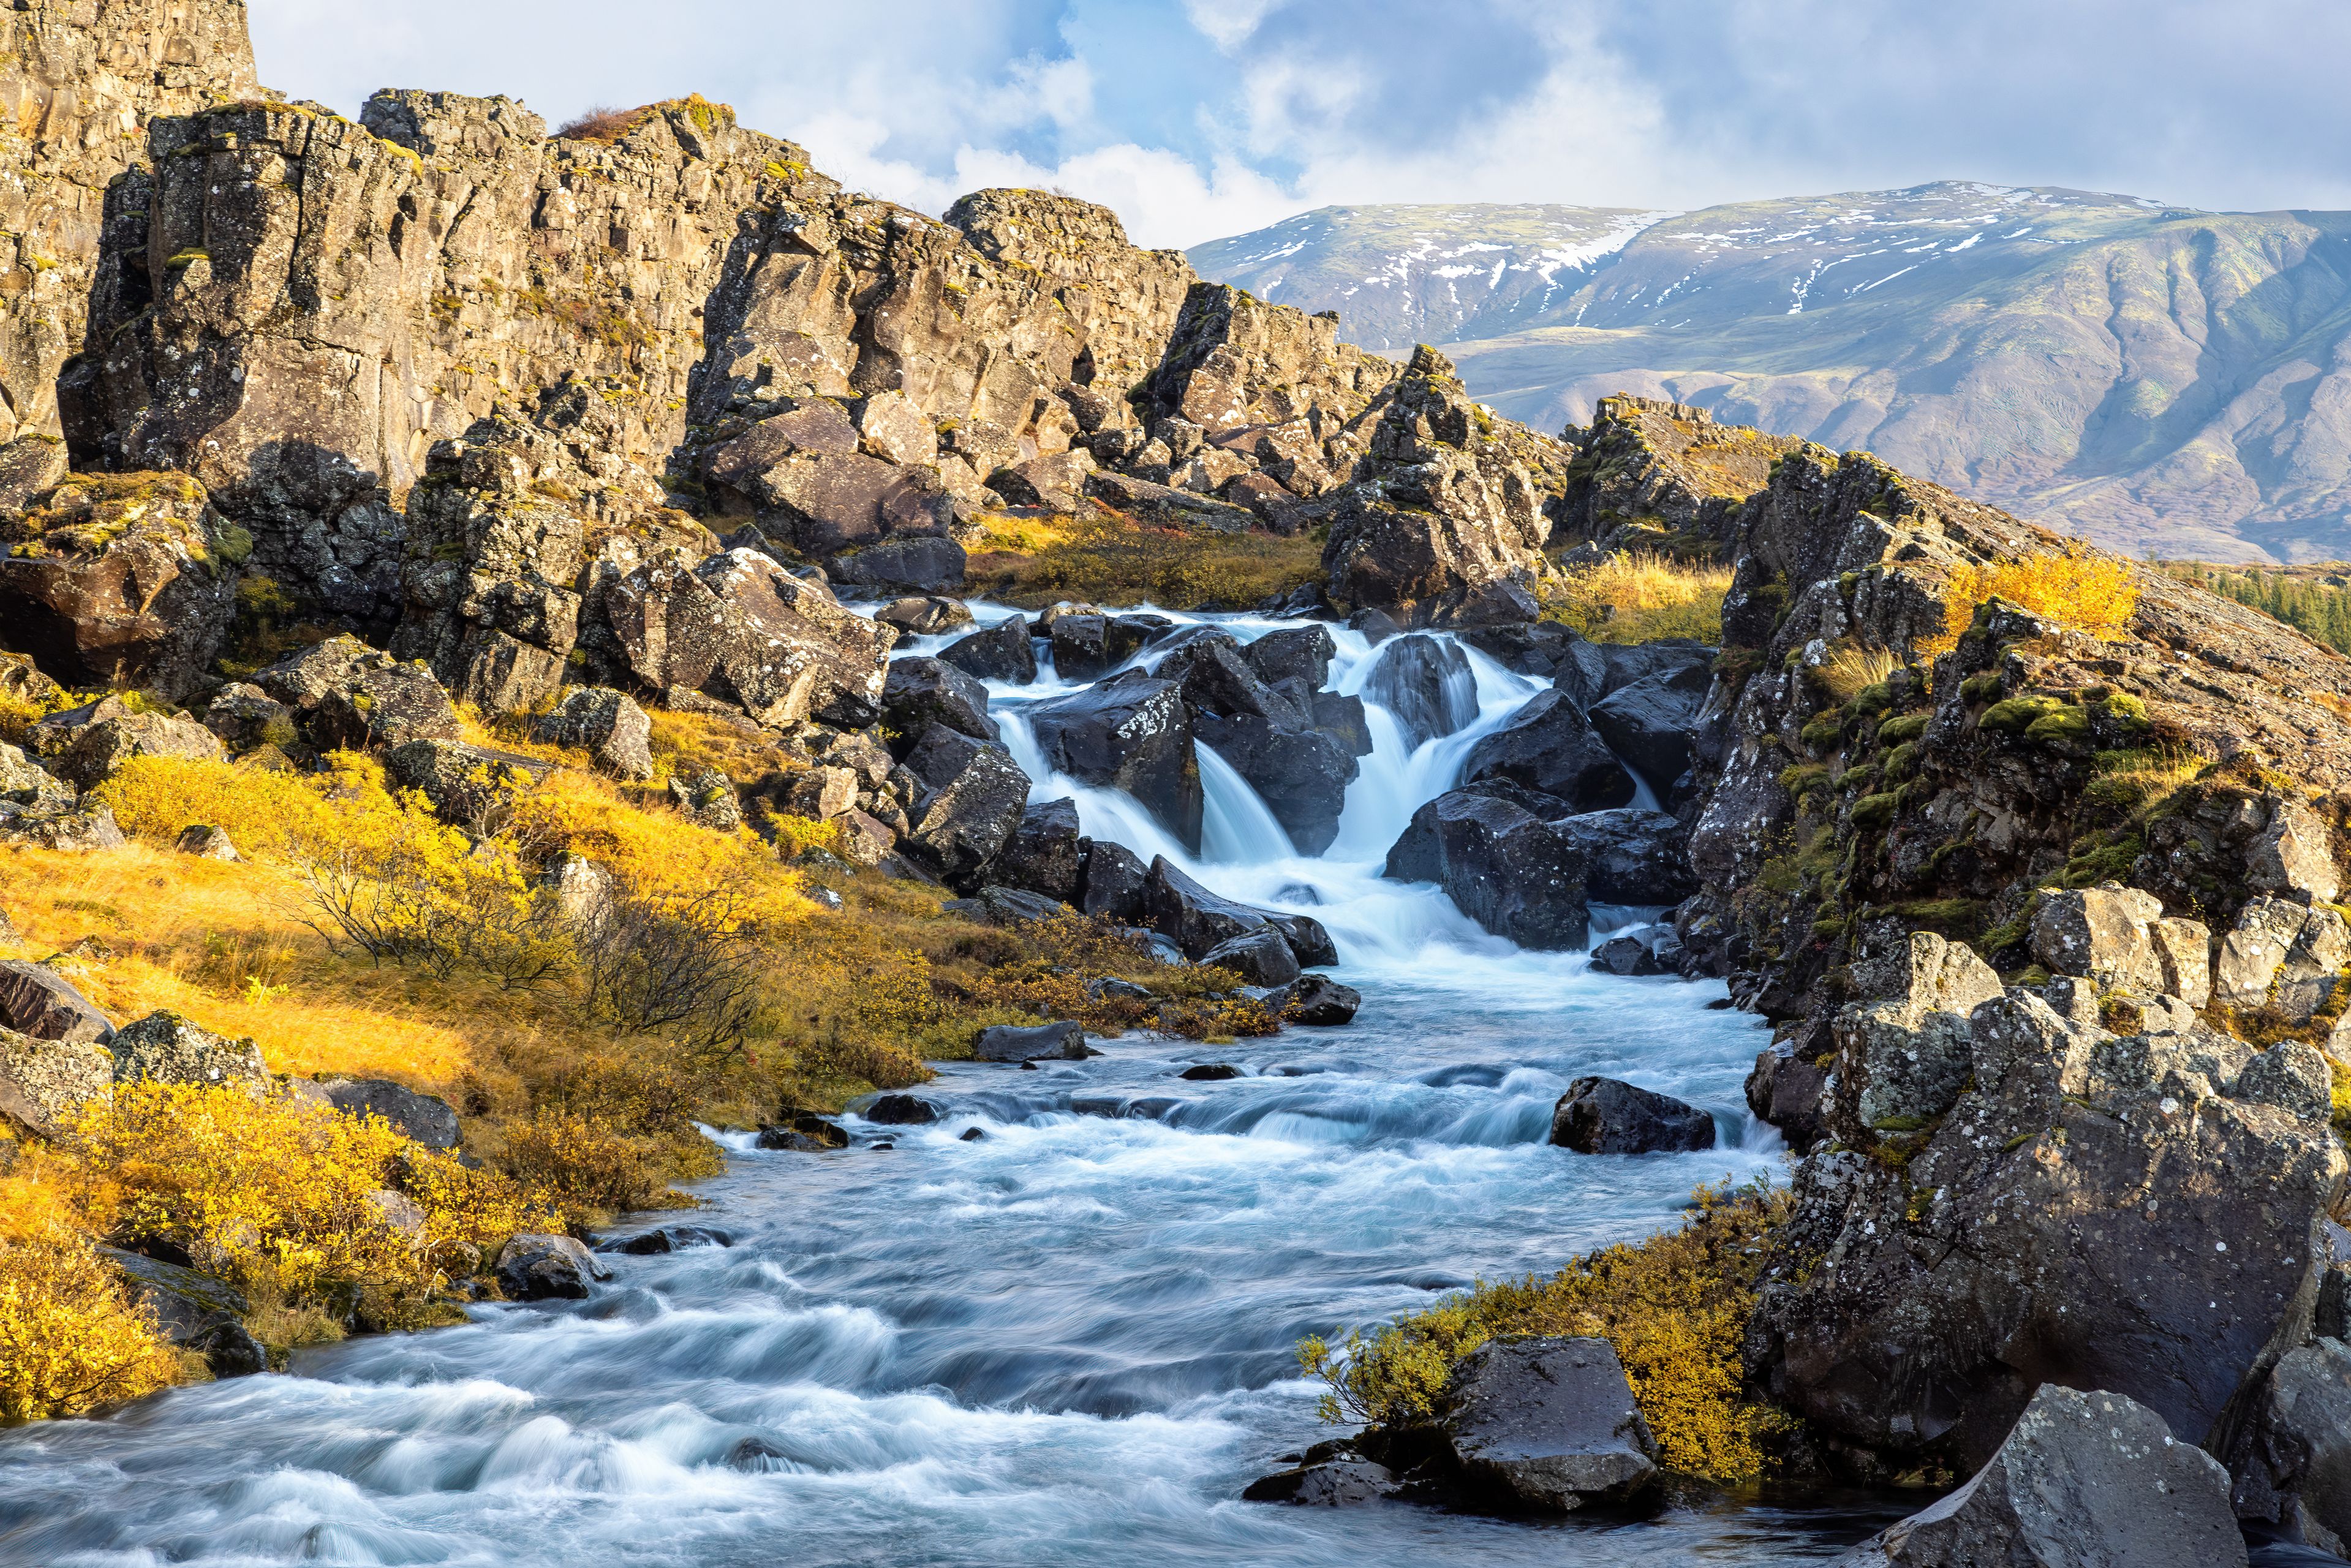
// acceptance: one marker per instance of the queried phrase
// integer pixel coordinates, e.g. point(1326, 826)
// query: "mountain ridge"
point(2161, 378)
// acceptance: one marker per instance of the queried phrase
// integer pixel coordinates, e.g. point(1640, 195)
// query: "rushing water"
point(1067, 1342)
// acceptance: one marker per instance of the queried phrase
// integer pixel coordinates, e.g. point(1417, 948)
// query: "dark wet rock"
point(36, 1001)
point(2292, 1458)
point(1210, 1072)
point(1548, 651)
point(2085, 1480)
point(1261, 957)
point(1424, 682)
point(976, 795)
point(607, 725)
point(1300, 772)
point(925, 615)
point(1113, 882)
point(1674, 658)
point(425, 1118)
point(758, 1456)
point(1632, 856)
point(972, 1135)
point(1786, 1089)
point(921, 691)
point(1306, 936)
point(1089, 646)
point(535, 1268)
point(1316, 999)
point(194, 1311)
point(1197, 921)
point(2118, 1207)
point(346, 693)
point(668, 1239)
point(1293, 652)
point(1047, 853)
point(1338, 1483)
point(1512, 872)
point(1625, 956)
point(1606, 1116)
point(901, 1110)
point(1549, 746)
point(1007, 1042)
point(805, 1133)
point(1649, 723)
point(1132, 733)
point(1548, 1424)
point(1002, 653)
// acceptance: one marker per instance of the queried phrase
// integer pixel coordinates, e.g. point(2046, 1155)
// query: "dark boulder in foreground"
point(535, 1268)
point(1632, 856)
point(1505, 868)
point(1625, 956)
point(1002, 653)
point(1008, 1042)
point(2085, 1480)
point(1334, 1483)
point(1608, 1117)
point(1548, 1424)
point(1425, 684)
point(804, 1132)
point(1550, 746)
point(1132, 733)
point(1261, 957)
point(901, 1110)
point(1316, 999)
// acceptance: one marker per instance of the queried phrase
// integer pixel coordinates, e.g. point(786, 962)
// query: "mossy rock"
point(1825, 731)
point(1875, 810)
point(1903, 729)
point(2016, 714)
point(2065, 724)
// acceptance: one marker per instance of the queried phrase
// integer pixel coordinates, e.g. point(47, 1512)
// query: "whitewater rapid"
point(1069, 1341)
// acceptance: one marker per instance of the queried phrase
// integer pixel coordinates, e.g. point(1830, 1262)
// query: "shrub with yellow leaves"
point(1675, 1308)
point(2095, 595)
point(1638, 596)
point(264, 813)
point(70, 1339)
point(288, 1200)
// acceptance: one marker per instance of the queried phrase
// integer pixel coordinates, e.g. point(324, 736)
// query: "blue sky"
point(1201, 118)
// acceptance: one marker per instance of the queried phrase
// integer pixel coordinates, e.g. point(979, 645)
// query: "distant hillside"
point(2162, 379)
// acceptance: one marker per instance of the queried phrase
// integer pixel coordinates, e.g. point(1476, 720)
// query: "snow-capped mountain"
point(2161, 378)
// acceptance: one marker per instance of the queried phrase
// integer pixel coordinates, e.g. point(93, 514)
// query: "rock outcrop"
point(1547, 1424)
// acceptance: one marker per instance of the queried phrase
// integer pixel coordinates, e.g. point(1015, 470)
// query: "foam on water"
point(1068, 1340)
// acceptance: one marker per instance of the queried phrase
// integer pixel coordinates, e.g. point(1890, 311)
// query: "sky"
point(1198, 119)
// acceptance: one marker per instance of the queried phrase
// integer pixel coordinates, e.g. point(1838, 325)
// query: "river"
point(1067, 1342)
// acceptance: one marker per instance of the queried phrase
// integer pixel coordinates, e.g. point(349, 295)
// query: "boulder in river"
point(1315, 999)
point(1197, 920)
point(1511, 872)
point(901, 1111)
point(1132, 733)
point(804, 1131)
point(1625, 956)
point(1293, 652)
point(2083, 1480)
point(1550, 746)
point(1425, 684)
point(1333, 1483)
point(667, 1239)
point(534, 1267)
point(1261, 957)
point(925, 615)
point(1548, 1423)
point(921, 691)
point(194, 1311)
point(1113, 882)
point(1010, 1042)
point(976, 796)
point(1047, 853)
point(1086, 647)
point(1650, 724)
point(1609, 1116)
point(1002, 653)
point(1632, 856)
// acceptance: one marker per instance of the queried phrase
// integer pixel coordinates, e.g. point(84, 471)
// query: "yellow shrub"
point(264, 813)
point(70, 1338)
point(1675, 1308)
point(1639, 597)
point(591, 1169)
point(282, 1196)
point(2088, 593)
point(654, 853)
point(793, 834)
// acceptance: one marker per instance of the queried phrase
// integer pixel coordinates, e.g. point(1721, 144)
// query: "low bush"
point(264, 813)
point(285, 1199)
point(1639, 597)
point(70, 1339)
point(1675, 1308)
point(2088, 593)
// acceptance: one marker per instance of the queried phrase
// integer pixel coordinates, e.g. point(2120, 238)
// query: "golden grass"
point(1639, 596)
point(1111, 561)
point(2088, 593)
point(1852, 669)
